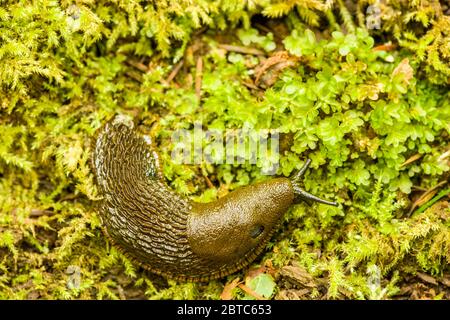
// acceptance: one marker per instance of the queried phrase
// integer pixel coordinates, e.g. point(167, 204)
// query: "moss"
point(369, 107)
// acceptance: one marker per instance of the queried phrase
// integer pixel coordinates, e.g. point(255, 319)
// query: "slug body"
point(167, 233)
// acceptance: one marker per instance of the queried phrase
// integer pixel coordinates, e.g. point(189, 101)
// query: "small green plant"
point(370, 107)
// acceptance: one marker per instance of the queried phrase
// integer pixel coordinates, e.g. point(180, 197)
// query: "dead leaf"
point(385, 47)
point(292, 294)
point(33, 295)
point(268, 71)
point(426, 196)
point(427, 278)
point(227, 293)
point(405, 69)
point(446, 281)
point(411, 159)
point(253, 273)
point(299, 276)
point(270, 269)
point(347, 293)
point(267, 267)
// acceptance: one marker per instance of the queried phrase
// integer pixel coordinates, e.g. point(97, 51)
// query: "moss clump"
point(370, 107)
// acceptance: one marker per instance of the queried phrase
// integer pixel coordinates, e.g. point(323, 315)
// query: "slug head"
point(236, 225)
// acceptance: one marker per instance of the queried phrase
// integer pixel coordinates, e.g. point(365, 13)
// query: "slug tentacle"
point(167, 233)
point(302, 195)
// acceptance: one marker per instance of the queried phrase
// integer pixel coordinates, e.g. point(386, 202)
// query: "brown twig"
point(134, 75)
point(38, 213)
point(208, 182)
point(121, 292)
point(200, 31)
point(140, 66)
point(175, 71)
point(444, 155)
point(263, 28)
point(69, 196)
point(250, 85)
point(240, 49)
point(198, 77)
point(426, 196)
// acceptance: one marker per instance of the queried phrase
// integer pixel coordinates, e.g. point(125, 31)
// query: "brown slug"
point(169, 234)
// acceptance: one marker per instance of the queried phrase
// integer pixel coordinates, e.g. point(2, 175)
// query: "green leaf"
point(301, 45)
point(249, 36)
point(263, 284)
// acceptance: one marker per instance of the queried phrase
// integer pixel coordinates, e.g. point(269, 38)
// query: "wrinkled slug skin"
point(167, 233)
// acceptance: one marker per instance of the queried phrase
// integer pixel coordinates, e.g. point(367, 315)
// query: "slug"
point(167, 233)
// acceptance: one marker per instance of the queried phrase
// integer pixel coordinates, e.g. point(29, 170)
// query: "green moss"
point(361, 114)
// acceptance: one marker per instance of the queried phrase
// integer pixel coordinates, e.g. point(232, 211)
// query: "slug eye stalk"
point(301, 194)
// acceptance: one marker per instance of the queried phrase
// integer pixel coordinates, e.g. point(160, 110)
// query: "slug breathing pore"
point(169, 234)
